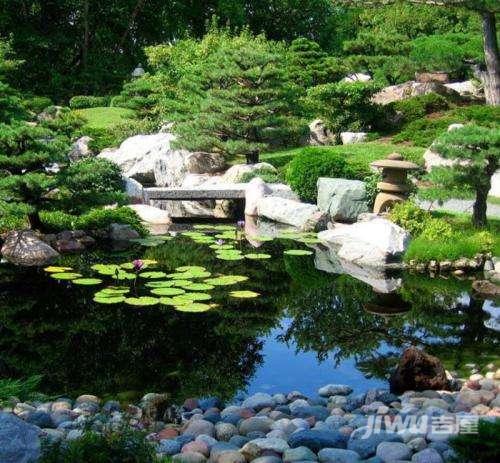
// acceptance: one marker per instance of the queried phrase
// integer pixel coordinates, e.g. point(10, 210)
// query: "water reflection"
point(55, 329)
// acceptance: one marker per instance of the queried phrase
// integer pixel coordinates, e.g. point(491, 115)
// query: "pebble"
point(427, 456)
point(334, 389)
point(393, 451)
point(224, 431)
point(338, 456)
point(259, 401)
point(200, 426)
point(189, 457)
point(169, 447)
point(299, 454)
point(255, 424)
point(317, 440)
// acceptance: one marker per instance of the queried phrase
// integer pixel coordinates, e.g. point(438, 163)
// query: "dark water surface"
point(307, 328)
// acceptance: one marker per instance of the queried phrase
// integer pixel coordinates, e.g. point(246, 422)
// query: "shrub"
point(418, 106)
point(436, 229)
point(22, 389)
point(37, 104)
point(410, 216)
point(266, 174)
point(122, 446)
point(95, 219)
point(88, 101)
point(305, 169)
point(13, 216)
point(343, 106)
point(481, 447)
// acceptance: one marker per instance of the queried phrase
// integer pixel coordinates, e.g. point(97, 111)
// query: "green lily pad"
point(309, 240)
point(193, 307)
point(200, 226)
point(87, 281)
point(106, 269)
point(179, 275)
point(152, 275)
point(225, 280)
point(121, 275)
point(199, 287)
point(115, 290)
point(55, 269)
point(142, 301)
point(182, 283)
point(221, 247)
point(224, 227)
point(229, 257)
point(159, 284)
point(148, 242)
point(167, 301)
point(261, 238)
point(198, 274)
point(167, 291)
point(187, 268)
point(244, 294)
point(109, 300)
point(257, 256)
point(65, 276)
point(297, 252)
point(196, 296)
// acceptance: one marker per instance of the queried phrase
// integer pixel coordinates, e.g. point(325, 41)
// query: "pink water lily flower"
point(138, 264)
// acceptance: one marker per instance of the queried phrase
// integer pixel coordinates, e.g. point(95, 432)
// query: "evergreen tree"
point(476, 152)
point(238, 99)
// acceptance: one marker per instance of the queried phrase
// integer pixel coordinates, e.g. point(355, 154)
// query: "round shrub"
point(88, 101)
point(418, 106)
point(305, 169)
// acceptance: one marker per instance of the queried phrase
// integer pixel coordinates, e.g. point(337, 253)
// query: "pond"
point(304, 328)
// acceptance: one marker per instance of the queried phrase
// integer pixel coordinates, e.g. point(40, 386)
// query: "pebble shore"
point(289, 428)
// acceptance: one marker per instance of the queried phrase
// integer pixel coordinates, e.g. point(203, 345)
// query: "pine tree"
point(238, 100)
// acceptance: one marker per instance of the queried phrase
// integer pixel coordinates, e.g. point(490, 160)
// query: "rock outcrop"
point(418, 371)
point(319, 134)
point(409, 89)
point(150, 214)
point(306, 217)
point(256, 190)
point(26, 248)
point(348, 138)
point(343, 200)
point(80, 149)
point(19, 441)
point(375, 243)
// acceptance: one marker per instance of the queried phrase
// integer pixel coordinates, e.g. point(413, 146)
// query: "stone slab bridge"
point(221, 191)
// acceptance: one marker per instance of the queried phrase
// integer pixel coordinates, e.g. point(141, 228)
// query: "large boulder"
point(236, 173)
point(150, 214)
point(80, 149)
point(27, 249)
point(348, 138)
point(343, 200)
point(19, 441)
point(418, 371)
point(255, 191)
point(319, 134)
point(410, 89)
point(373, 243)
point(306, 217)
point(465, 88)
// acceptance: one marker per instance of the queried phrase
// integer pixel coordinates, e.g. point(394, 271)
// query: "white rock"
point(27, 249)
point(319, 134)
point(409, 89)
point(349, 138)
point(464, 88)
point(151, 214)
point(374, 243)
point(235, 173)
point(357, 77)
point(255, 191)
point(80, 149)
point(306, 217)
point(133, 189)
point(455, 126)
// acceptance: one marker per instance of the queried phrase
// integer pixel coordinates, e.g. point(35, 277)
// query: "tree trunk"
point(491, 78)
point(479, 218)
point(34, 220)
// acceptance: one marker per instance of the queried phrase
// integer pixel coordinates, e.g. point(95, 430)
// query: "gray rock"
point(320, 134)
point(169, 447)
point(338, 456)
point(255, 191)
point(366, 446)
point(306, 217)
point(26, 248)
point(319, 412)
point(19, 442)
point(40, 419)
point(189, 457)
point(198, 427)
point(299, 454)
point(334, 389)
point(258, 401)
point(53, 435)
point(269, 443)
point(348, 138)
point(239, 441)
point(224, 431)
point(393, 451)
point(122, 232)
point(267, 459)
point(427, 456)
point(74, 434)
point(207, 440)
point(298, 403)
point(220, 448)
point(255, 424)
point(231, 457)
point(80, 149)
point(410, 89)
point(317, 440)
point(417, 444)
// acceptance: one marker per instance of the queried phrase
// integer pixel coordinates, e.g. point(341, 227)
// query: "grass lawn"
point(465, 242)
point(359, 152)
point(103, 118)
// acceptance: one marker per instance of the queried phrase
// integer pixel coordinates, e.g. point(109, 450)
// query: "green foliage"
point(266, 174)
point(13, 216)
point(36, 104)
point(22, 389)
point(343, 106)
point(422, 132)
point(481, 447)
point(419, 106)
point(100, 118)
point(88, 101)
point(121, 446)
point(235, 97)
point(94, 219)
point(410, 216)
point(305, 169)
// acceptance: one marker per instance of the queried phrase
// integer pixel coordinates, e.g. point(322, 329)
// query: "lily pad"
point(121, 275)
point(309, 240)
point(87, 281)
point(142, 301)
point(159, 284)
point(167, 301)
point(152, 275)
point(224, 227)
point(106, 269)
point(257, 256)
point(114, 290)
point(297, 252)
point(229, 256)
point(193, 307)
point(261, 238)
point(225, 280)
point(196, 296)
point(182, 283)
point(244, 294)
point(109, 300)
point(65, 276)
point(221, 247)
point(167, 291)
point(54, 269)
point(179, 275)
point(187, 268)
point(199, 287)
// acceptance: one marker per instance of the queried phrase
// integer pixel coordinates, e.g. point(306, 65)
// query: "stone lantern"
point(394, 185)
point(138, 71)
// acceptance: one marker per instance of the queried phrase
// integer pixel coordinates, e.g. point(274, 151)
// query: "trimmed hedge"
point(88, 101)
